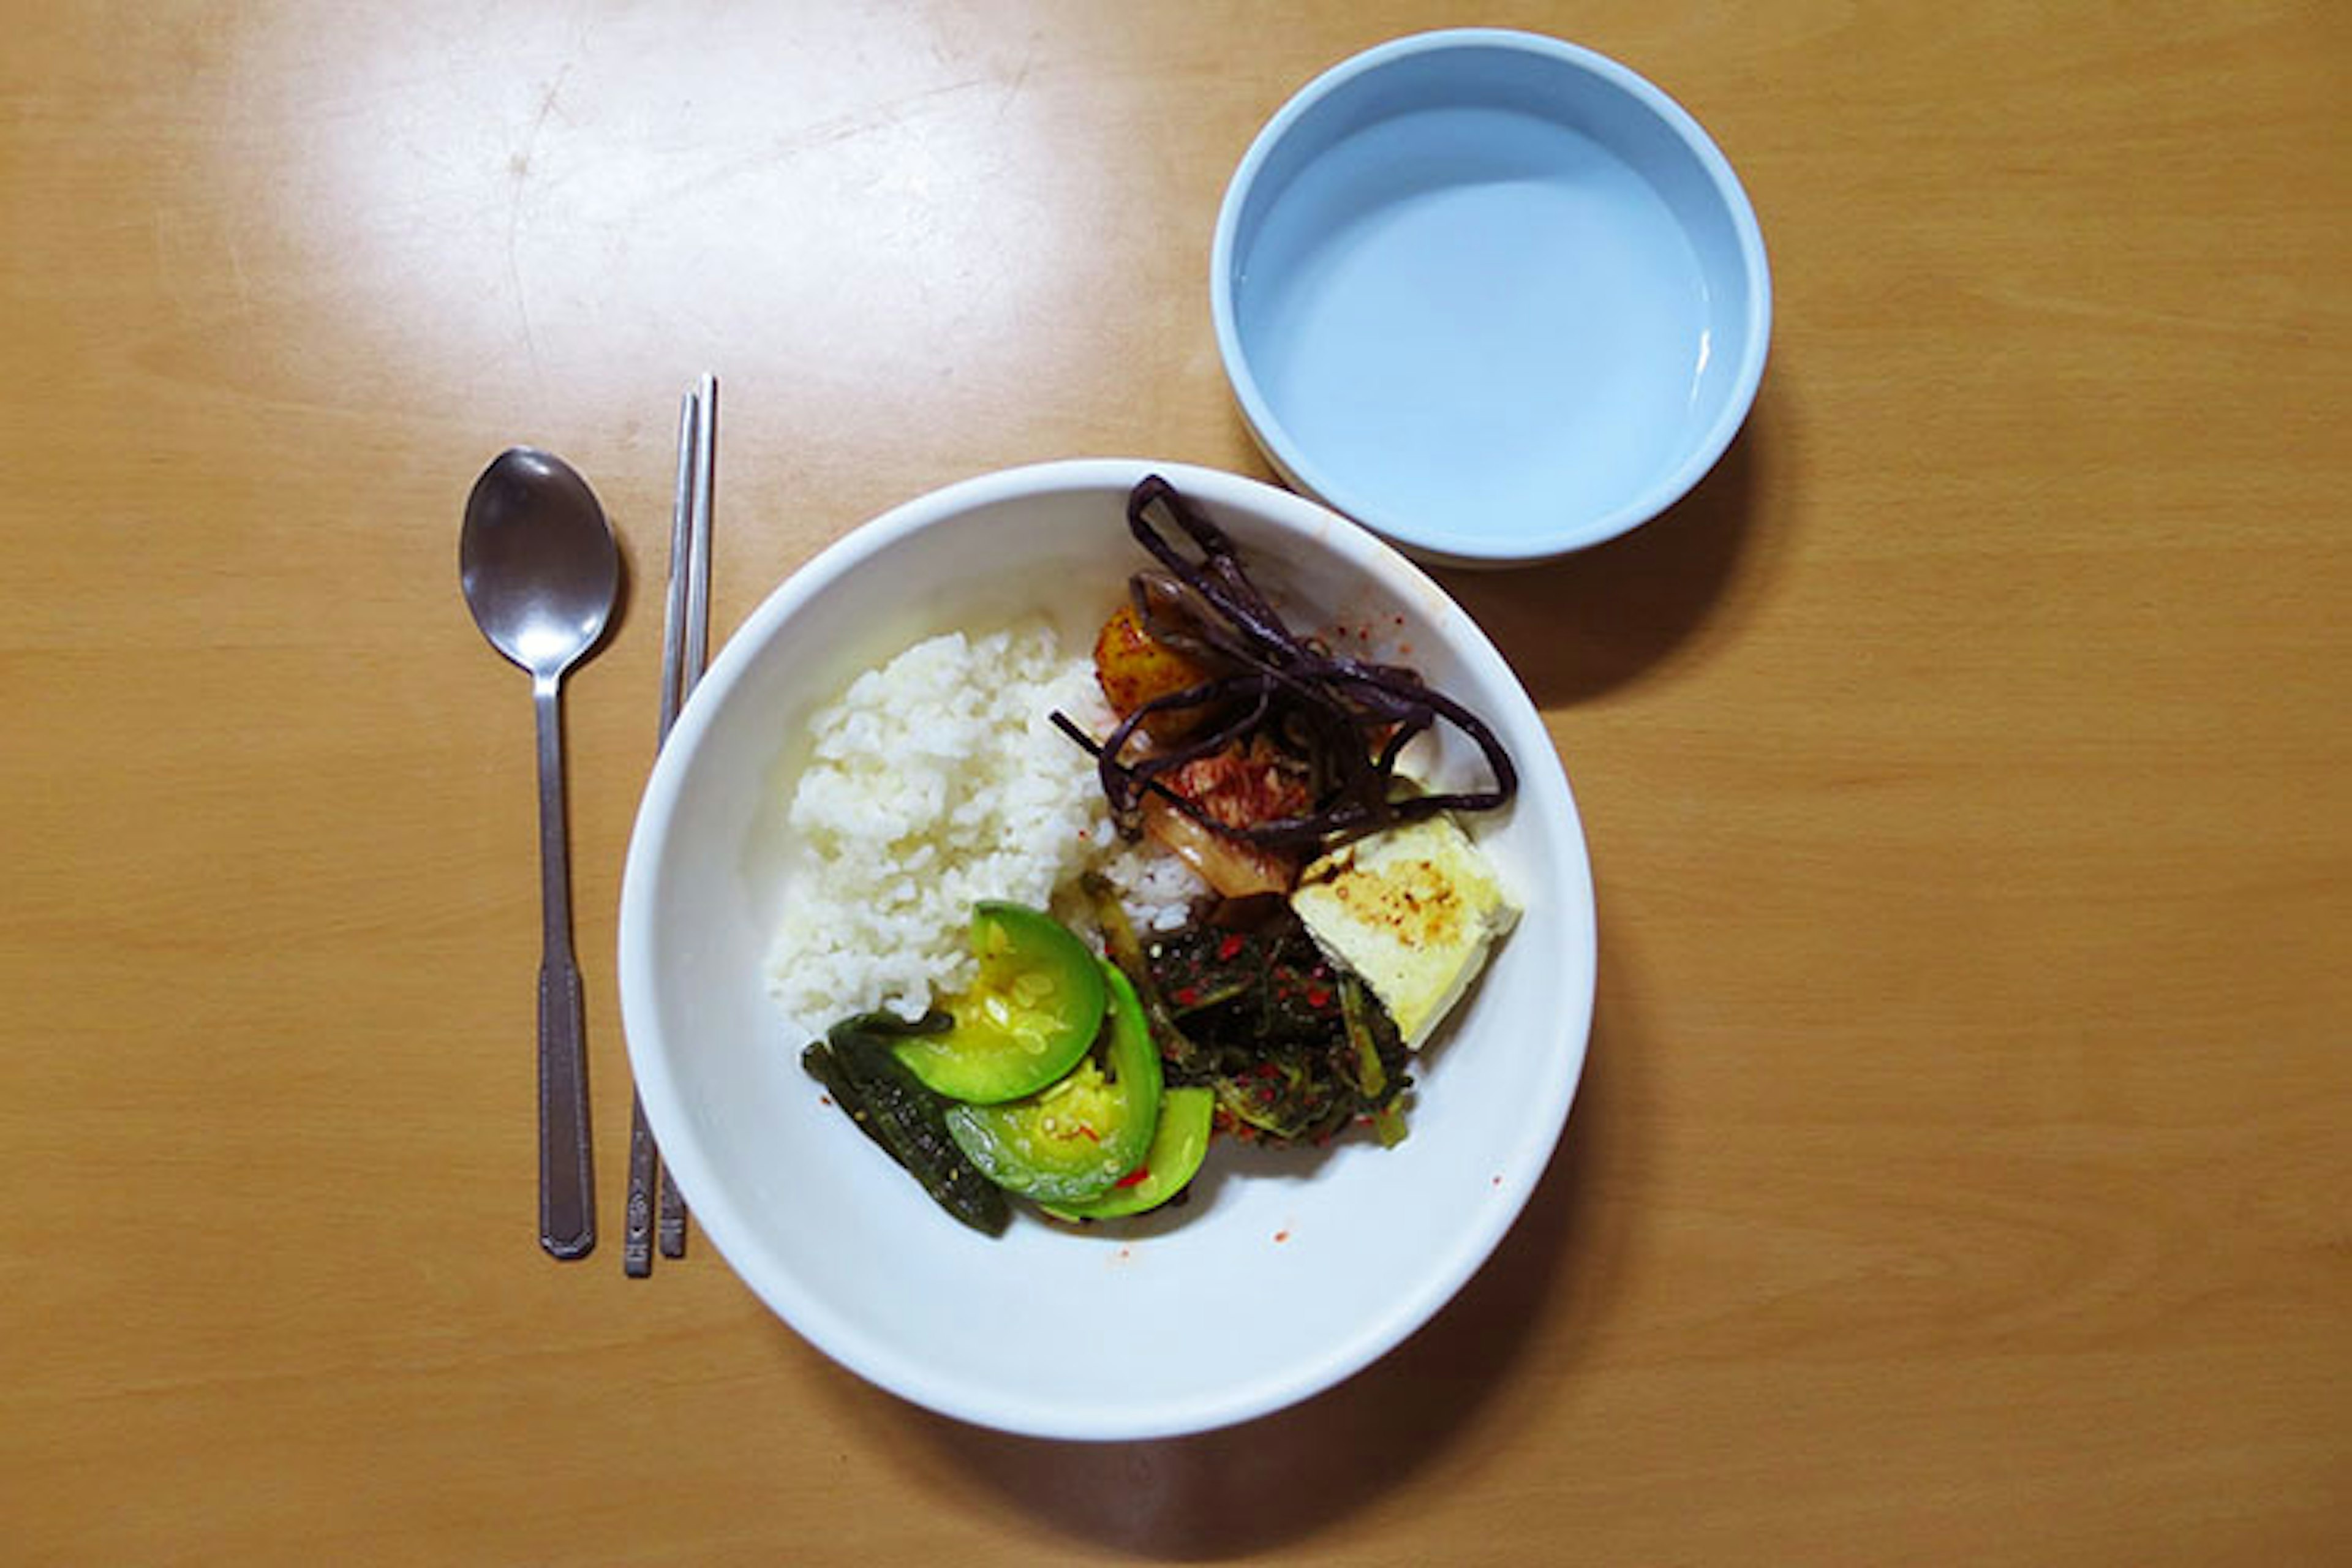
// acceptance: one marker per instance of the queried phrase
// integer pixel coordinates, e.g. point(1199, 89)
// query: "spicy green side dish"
point(1244, 932)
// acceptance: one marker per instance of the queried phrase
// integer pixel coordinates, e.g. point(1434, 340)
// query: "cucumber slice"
point(1025, 1023)
point(1179, 1144)
point(1072, 1141)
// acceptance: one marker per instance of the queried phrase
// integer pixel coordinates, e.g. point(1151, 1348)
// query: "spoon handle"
point(567, 1203)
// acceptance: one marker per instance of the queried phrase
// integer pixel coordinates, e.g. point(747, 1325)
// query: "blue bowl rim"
point(1300, 469)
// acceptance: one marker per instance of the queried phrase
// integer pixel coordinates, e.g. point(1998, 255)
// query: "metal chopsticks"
point(656, 1205)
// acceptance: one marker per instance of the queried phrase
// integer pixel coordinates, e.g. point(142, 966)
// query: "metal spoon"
point(542, 572)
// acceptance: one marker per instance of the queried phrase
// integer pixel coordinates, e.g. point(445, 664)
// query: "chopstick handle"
point(637, 1235)
point(673, 1210)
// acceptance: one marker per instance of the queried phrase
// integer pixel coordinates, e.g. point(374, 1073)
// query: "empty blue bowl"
point(1492, 295)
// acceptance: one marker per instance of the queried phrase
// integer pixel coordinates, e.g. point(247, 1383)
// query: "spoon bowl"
point(542, 572)
point(538, 561)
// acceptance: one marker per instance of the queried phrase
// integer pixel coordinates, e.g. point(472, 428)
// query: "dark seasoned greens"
point(1294, 1047)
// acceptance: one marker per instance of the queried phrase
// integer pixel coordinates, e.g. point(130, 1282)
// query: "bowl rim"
point(1438, 544)
point(730, 1234)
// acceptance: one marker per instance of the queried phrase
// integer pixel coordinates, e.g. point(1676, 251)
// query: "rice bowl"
point(1046, 1331)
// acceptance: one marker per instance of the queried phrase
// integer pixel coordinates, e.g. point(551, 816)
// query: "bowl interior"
point(1491, 294)
point(1283, 1273)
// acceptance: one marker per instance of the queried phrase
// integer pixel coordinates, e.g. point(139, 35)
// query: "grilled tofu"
point(1413, 912)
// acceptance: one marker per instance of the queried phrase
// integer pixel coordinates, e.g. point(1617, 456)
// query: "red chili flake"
point(1133, 1178)
point(1088, 1133)
point(1282, 1235)
point(1229, 947)
point(1317, 997)
point(1186, 996)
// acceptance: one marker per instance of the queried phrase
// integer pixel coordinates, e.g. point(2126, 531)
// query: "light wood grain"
point(1962, 1170)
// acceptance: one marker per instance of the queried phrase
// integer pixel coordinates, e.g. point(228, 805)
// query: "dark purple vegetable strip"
point(1350, 717)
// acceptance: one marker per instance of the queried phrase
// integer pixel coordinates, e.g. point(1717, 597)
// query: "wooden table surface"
point(1962, 1170)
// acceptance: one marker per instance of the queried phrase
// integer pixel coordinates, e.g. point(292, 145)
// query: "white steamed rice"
point(935, 781)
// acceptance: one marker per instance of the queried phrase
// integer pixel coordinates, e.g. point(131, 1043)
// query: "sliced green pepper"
point(867, 1081)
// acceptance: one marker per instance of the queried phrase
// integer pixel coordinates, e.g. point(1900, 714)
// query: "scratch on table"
point(889, 115)
point(1020, 82)
point(519, 166)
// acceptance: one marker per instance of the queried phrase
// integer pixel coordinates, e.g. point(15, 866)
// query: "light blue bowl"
point(1492, 295)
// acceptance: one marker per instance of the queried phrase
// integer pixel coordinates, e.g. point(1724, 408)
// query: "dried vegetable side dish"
point(1240, 920)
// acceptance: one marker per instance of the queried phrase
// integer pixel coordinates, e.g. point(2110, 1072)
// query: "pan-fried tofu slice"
point(1413, 910)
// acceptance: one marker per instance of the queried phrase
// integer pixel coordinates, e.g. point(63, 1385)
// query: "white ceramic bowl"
point(1284, 1273)
point(1490, 294)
